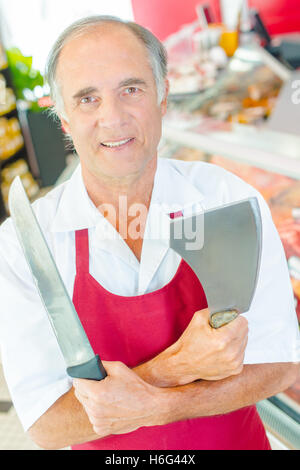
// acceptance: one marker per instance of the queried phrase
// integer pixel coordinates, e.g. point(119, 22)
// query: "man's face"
point(110, 97)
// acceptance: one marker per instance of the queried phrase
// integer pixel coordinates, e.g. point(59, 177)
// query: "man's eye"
point(87, 100)
point(131, 90)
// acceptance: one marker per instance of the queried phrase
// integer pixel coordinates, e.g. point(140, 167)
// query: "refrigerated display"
point(245, 91)
point(227, 125)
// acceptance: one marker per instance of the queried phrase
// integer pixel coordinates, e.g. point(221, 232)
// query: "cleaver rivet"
point(219, 319)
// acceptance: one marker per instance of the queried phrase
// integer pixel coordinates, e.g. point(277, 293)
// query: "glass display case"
point(227, 126)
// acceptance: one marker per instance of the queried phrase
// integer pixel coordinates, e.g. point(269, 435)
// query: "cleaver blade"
point(228, 259)
point(79, 356)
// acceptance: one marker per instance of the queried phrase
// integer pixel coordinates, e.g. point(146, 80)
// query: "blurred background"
point(234, 71)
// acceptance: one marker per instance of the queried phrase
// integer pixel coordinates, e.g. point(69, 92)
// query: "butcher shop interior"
point(233, 102)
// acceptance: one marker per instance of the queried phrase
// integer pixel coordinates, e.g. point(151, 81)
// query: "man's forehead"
point(103, 37)
point(98, 49)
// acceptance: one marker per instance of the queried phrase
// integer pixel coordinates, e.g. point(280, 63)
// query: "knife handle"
point(219, 319)
point(92, 370)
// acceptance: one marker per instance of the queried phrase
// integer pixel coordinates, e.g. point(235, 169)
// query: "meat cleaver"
point(225, 256)
point(79, 356)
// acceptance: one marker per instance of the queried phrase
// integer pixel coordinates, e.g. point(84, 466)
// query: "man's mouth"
point(119, 143)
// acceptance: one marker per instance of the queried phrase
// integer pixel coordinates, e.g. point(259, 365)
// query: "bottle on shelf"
point(11, 139)
point(18, 168)
point(8, 99)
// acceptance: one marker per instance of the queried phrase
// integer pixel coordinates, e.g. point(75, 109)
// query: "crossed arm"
point(166, 389)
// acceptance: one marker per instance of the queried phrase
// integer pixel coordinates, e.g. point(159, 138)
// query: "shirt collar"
point(75, 209)
point(172, 192)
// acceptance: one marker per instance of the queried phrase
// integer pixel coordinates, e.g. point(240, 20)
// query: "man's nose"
point(111, 113)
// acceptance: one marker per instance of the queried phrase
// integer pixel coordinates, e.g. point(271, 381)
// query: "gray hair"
point(156, 52)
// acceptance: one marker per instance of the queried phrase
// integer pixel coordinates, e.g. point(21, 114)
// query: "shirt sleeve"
point(273, 324)
point(33, 365)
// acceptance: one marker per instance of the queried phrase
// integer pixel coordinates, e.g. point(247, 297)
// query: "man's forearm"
point(65, 423)
point(207, 398)
point(162, 370)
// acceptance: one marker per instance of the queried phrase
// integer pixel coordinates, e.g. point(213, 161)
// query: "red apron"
point(134, 330)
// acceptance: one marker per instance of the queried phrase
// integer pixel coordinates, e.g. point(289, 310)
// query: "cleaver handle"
point(92, 370)
point(219, 319)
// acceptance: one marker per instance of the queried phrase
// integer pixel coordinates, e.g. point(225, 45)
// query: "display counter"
point(219, 127)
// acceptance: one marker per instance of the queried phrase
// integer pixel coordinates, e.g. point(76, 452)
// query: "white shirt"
point(33, 364)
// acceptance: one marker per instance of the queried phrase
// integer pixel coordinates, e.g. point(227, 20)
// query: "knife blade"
point(80, 359)
point(228, 259)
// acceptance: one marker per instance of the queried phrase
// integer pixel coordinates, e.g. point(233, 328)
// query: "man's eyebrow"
point(127, 82)
point(84, 91)
point(132, 81)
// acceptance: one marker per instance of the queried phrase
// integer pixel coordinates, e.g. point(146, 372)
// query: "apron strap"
point(82, 250)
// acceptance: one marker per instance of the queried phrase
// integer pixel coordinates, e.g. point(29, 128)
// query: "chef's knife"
point(228, 259)
point(79, 356)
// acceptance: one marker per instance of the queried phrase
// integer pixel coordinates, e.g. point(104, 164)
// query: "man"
point(173, 382)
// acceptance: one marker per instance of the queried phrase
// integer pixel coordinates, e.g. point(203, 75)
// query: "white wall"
point(33, 25)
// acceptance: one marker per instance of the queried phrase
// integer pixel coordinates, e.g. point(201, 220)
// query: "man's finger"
point(244, 345)
point(239, 324)
point(202, 316)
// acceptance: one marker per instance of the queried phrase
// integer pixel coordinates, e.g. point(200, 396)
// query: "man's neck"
point(135, 188)
point(124, 202)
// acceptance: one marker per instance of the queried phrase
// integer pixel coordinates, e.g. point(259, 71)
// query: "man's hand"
point(122, 402)
point(201, 352)
point(211, 354)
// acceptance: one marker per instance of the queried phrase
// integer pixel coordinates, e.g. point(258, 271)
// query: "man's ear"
point(65, 125)
point(165, 98)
